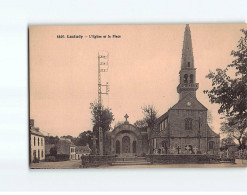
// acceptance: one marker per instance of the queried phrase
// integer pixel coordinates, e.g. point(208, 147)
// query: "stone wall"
point(182, 159)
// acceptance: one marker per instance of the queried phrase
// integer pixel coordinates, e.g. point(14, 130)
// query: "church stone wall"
point(177, 123)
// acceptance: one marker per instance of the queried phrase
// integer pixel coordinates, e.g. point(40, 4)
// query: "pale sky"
point(144, 69)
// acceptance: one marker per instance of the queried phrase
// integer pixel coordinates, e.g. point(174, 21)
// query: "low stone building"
point(127, 140)
point(37, 143)
point(82, 151)
point(65, 146)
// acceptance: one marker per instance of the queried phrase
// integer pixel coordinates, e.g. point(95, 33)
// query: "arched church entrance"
point(126, 144)
point(134, 146)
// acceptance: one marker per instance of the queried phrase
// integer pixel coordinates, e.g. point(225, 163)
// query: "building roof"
point(82, 149)
point(195, 104)
point(35, 131)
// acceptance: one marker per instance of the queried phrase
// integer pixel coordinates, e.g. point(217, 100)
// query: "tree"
point(53, 151)
point(85, 138)
point(225, 142)
point(231, 93)
point(51, 140)
point(141, 124)
point(101, 117)
point(150, 115)
point(73, 139)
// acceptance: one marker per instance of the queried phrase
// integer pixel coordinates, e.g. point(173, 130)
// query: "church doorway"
point(117, 147)
point(126, 144)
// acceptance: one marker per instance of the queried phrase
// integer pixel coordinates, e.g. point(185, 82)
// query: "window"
point(42, 153)
point(34, 141)
point(38, 141)
point(188, 124)
point(154, 143)
point(191, 78)
point(188, 64)
point(185, 78)
point(211, 145)
point(41, 141)
point(166, 123)
point(162, 126)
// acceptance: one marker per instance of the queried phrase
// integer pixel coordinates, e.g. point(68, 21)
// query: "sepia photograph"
point(137, 96)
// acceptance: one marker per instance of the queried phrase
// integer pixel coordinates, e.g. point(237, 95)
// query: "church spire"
point(187, 73)
point(187, 54)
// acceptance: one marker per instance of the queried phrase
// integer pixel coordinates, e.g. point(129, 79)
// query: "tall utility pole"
point(103, 58)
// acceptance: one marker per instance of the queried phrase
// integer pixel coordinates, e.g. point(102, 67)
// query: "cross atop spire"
point(187, 54)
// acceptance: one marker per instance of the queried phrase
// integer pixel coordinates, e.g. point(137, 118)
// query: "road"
point(75, 164)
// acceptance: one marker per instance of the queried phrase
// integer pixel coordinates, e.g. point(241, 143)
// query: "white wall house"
point(72, 152)
point(37, 143)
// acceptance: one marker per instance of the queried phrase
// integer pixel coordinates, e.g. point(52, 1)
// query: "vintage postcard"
point(138, 96)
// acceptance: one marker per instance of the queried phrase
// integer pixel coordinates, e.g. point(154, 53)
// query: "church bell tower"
point(187, 73)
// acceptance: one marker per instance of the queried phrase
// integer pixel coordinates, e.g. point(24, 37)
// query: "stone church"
point(183, 129)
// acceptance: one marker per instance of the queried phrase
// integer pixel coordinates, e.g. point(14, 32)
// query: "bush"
point(62, 157)
point(50, 159)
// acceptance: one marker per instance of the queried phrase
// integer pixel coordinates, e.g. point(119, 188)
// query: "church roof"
point(187, 53)
point(189, 102)
point(161, 118)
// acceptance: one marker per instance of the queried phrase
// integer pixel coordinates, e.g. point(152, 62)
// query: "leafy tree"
point(53, 151)
point(150, 115)
point(73, 139)
point(51, 140)
point(231, 93)
point(101, 117)
point(225, 142)
point(141, 124)
point(85, 138)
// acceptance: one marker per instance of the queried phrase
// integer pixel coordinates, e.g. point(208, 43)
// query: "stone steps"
point(128, 161)
point(130, 158)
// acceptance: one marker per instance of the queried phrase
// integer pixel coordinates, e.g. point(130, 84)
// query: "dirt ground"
point(75, 164)
point(70, 164)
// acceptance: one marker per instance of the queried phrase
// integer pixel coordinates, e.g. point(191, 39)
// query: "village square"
point(181, 137)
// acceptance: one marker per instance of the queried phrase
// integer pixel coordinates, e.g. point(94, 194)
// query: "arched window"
point(191, 78)
point(41, 141)
point(117, 147)
point(38, 141)
point(188, 124)
point(34, 140)
point(42, 154)
point(188, 64)
point(134, 146)
point(185, 78)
